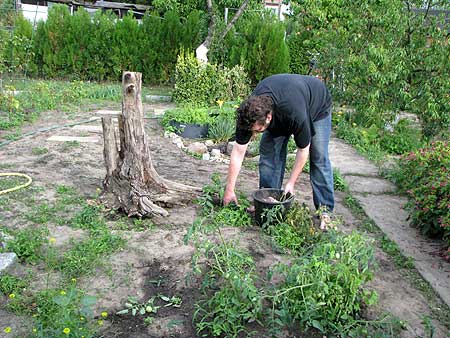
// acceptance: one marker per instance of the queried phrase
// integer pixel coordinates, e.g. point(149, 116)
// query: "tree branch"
point(235, 17)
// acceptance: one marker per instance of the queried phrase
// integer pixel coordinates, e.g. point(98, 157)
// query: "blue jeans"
point(272, 163)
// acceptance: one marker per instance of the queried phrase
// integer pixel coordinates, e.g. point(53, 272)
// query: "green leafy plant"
point(57, 312)
point(10, 284)
point(323, 288)
point(134, 307)
point(60, 312)
point(295, 232)
point(222, 130)
point(231, 298)
point(218, 215)
point(27, 244)
point(203, 85)
point(339, 182)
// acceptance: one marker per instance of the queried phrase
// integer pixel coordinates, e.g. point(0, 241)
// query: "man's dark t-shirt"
point(298, 100)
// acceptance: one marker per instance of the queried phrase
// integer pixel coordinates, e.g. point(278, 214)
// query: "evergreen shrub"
point(204, 84)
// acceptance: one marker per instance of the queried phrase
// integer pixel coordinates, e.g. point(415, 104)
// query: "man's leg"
point(321, 173)
point(272, 160)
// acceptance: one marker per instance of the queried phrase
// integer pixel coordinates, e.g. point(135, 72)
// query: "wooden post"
point(132, 183)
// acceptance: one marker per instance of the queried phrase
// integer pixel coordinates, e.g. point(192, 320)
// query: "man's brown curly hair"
point(253, 110)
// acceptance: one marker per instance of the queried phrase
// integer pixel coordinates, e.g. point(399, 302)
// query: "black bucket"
point(260, 198)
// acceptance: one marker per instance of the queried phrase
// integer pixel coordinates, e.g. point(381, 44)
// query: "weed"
point(88, 218)
point(392, 249)
point(323, 286)
point(10, 284)
point(84, 256)
point(39, 151)
point(231, 298)
point(69, 145)
point(148, 307)
point(59, 312)
point(27, 244)
point(295, 232)
point(230, 215)
point(339, 182)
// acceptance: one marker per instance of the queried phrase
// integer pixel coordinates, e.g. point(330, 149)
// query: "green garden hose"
point(16, 187)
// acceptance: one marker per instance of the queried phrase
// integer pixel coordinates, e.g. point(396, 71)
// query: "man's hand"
point(228, 197)
point(289, 188)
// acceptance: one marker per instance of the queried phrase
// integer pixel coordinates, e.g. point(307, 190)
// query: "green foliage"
point(27, 244)
point(74, 46)
point(259, 46)
point(88, 218)
point(231, 297)
point(295, 232)
point(83, 257)
point(379, 57)
point(222, 130)
point(10, 284)
point(323, 288)
point(199, 84)
point(187, 114)
point(339, 182)
point(40, 96)
point(221, 216)
point(60, 313)
point(424, 175)
point(404, 138)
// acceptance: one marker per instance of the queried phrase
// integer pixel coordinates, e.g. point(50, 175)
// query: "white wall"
point(34, 13)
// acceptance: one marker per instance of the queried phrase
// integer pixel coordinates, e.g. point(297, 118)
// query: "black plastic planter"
point(190, 130)
point(261, 197)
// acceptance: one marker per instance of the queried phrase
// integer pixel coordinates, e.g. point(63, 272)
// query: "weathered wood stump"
point(132, 183)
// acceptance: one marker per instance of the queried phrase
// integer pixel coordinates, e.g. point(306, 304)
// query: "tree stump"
point(132, 183)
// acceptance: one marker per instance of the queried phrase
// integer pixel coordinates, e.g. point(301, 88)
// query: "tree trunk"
point(132, 183)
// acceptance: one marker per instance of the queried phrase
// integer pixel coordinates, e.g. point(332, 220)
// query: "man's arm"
point(300, 159)
point(236, 158)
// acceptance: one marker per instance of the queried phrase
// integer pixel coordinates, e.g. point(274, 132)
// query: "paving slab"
point(7, 260)
point(88, 128)
point(348, 161)
point(377, 197)
point(372, 185)
point(388, 213)
point(108, 113)
point(81, 139)
point(158, 98)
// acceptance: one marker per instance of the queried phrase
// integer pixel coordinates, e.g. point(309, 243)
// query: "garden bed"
point(154, 251)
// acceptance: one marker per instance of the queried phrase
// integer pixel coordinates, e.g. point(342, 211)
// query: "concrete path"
point(381, 203)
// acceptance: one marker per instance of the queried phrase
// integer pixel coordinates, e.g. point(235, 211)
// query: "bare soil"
point(156, 261)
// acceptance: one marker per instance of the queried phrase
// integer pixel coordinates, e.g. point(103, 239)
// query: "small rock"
point(178, 141)
point(209, 143)
point(206, 157)
point(215, 153)
point(197, 148)
point(230, 146)
point(6, 261)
